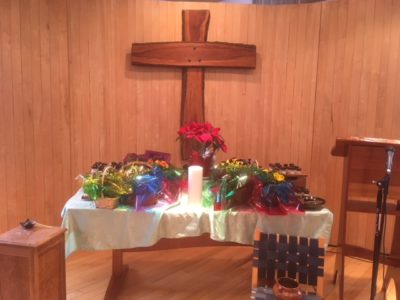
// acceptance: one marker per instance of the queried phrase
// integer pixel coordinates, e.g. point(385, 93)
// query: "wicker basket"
point(109, 203)
point(105, 202)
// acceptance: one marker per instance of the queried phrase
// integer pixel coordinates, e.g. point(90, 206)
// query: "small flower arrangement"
point(169, 171)
point(237, 168)
point(139, 183)
point(244, 182)
point(204, 135)
point(204, 140)
point(236, 180)
point(105, 181)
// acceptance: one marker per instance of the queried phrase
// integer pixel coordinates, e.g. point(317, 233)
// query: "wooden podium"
point(364, 163)
point(32, 263)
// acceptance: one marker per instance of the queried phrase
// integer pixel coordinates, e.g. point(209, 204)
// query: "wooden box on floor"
point(32, 263)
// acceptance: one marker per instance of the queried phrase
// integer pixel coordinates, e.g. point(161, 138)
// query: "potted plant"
point(204, 140)
point(171, 178)
point(105, 184)
point(244, 182)
point(236, 181)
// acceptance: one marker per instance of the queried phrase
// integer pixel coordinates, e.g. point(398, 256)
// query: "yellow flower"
point(278, 176)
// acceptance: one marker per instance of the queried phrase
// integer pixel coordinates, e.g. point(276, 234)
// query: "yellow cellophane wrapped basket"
point(105, 202)
point(134, 168)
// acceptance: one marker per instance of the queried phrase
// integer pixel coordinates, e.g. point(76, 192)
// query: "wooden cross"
point(194, 54)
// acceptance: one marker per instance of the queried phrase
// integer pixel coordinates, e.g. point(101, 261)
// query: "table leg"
point(119, 271)
point(341, 273)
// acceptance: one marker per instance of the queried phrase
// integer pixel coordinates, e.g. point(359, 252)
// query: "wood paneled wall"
point(35, 122)
point(69, 95)
point(357, 93)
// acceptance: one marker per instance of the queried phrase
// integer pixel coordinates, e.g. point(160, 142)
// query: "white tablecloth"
point(89, 228)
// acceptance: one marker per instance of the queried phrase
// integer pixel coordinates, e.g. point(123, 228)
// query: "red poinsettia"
point(203, 133)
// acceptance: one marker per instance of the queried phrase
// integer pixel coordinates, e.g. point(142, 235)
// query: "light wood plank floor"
point(200, 273)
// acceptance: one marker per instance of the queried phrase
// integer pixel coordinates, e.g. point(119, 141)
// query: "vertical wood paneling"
point(6, 114)
point(129, 91)
point(78, 146)
point(18, 125)
point(32, 187)
point(31, 10)
point(35, 120)
point(108, 27)
point(353, 93)
point(122, 27)
point(3, 129)
point(393, 88)
point(60, 105)
point(248, 108)
point(15, 161)
point(42, 102)
point(71, 97)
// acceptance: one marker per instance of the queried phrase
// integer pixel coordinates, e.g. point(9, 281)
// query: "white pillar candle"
point(195, 185)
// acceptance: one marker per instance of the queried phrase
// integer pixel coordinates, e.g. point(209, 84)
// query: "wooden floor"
point(200, 273)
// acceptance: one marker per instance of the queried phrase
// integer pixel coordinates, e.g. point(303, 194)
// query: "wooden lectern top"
point(341, 146)
point(35, 237)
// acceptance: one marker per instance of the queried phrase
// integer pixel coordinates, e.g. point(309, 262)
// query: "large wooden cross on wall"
point(194, 54)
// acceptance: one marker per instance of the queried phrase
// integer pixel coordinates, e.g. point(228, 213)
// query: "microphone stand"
point(381, 197)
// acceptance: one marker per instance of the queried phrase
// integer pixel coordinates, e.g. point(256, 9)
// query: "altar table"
point(89, 228)
point(172, 226)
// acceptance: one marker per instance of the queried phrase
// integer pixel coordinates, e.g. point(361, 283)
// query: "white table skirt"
point(89, 228)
